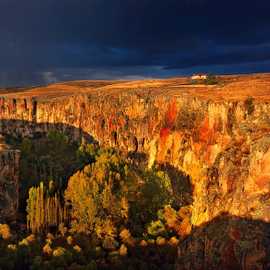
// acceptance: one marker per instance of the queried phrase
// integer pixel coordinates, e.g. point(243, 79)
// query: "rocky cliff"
point(217, 136)
point(9, 182)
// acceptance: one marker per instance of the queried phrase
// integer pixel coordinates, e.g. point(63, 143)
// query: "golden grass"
point(234, 87)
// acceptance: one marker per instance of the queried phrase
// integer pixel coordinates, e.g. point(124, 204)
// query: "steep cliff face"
point(9, 182)
point(223, 145)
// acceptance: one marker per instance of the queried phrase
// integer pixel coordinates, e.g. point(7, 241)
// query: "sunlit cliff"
point(218, 136)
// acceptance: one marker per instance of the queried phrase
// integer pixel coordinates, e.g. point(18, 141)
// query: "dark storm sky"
point(43, 41)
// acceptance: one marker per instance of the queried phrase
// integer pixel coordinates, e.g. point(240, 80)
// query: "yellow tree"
point(96, 196)
point(43, 209)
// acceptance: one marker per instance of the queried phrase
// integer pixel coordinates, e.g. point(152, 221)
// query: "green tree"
point(211, 79)
point(155, 193)
point(96, 195)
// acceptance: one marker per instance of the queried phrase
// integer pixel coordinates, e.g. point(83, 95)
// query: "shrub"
point(12, 247)
point(59, 251)
point(143, 243)
point(109, 244)
point(77, 248)
point(179, 221)
point(24, 242)
point(87, 153)
point(156, 228)
point(105, 228)
point(5, 231)
point(126, 237)
point(173, 241)
point(70, 240)
point(123, 250)
point(47, 249)
point(61, 258)
point(160, 241)
point(211, 79)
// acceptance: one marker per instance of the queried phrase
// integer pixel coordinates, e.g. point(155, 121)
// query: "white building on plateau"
point(199, 77)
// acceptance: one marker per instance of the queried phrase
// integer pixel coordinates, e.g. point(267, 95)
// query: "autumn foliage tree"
point(96, 196)
point(44, 208)
point(179, 221)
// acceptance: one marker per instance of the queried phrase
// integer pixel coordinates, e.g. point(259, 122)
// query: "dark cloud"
point(130, 38)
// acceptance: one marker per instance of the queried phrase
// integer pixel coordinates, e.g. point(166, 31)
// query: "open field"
point(230, 87)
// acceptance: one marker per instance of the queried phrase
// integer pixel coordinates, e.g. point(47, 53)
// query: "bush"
point(5, 231)
point(156, 228)
point(211, 79)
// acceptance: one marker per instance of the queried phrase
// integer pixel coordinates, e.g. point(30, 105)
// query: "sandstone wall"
point(224, 146)
point(9, 183)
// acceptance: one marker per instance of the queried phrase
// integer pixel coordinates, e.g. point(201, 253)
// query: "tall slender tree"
point(44, 209)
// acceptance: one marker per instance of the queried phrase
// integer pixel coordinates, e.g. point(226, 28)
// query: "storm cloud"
point(43, 41)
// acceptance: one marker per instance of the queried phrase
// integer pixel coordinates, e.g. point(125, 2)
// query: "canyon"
point(218, 136)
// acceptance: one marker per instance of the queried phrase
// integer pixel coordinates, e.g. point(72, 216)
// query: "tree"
point(96, 195)
point(152, 195)
point(44, 209)
point(211, 79)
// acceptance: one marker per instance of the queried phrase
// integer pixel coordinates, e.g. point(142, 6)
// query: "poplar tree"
point(44, 209)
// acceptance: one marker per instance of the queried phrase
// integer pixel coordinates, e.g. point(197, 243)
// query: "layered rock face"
point(9, 182)
point(222, 145)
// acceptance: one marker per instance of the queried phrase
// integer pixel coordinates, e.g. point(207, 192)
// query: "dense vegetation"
point(91, 208)
point(53, 157)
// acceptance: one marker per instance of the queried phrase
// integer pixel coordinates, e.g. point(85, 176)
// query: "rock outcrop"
point(223, 145)
point(217, 136)
point(9, 182)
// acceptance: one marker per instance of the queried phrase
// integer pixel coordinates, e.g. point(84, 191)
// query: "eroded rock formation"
point(9, 182)
point(218, 136)
point(222, 144)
